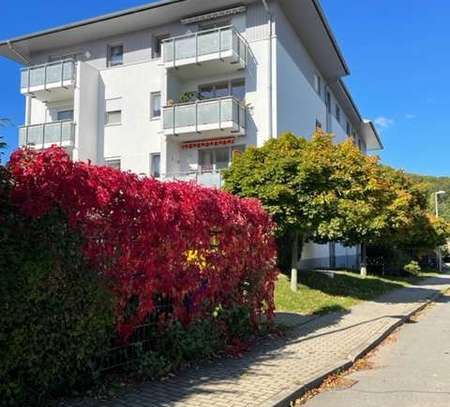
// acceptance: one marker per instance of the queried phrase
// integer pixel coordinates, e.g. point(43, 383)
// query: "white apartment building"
point(173, 88)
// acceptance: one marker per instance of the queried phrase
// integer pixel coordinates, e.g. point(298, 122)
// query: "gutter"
point(26, 60)
point(270, 69)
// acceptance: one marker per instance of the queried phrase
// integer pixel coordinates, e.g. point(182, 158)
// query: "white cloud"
point(410, 116)
point(384, 122)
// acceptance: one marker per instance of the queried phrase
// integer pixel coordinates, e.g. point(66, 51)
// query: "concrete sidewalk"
point(410, 371)
point(280, 370)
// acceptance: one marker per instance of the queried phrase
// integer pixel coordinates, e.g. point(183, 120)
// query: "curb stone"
point(286, 396)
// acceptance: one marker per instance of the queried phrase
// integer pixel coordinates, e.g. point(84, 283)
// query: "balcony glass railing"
point(197, 46)
point(61, 133)
point(211, 113)
point(211, 178)
point(48, 74)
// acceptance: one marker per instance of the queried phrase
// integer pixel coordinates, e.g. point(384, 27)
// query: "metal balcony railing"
point(199, 45)
point(50, 74)
point(204, 114)
point(61, 133)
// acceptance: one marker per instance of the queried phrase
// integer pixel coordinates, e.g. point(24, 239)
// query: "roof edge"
point(93, 20)
point(377, 136)
point(331, 35)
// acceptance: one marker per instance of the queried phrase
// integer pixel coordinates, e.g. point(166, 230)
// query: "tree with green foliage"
point(320, 191)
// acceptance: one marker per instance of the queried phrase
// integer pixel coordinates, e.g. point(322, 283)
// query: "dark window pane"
point(238, 89)
point(64, 115)
point(156, 105)
point(206, 92)
point(156, 166)
point(115, 55)
point(222, 90)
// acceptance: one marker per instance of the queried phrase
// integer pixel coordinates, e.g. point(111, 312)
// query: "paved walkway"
point(411, 372)
point(279, 366)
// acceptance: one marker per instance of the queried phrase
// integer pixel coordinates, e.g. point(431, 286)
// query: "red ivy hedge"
point(197, 247)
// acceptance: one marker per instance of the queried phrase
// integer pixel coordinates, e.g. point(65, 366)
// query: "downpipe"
point(270, 68)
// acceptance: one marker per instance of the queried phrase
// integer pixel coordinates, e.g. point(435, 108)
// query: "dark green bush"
point(55, 313)
point(178, 345)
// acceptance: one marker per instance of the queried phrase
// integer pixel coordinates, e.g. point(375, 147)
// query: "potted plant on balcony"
point(188, 97)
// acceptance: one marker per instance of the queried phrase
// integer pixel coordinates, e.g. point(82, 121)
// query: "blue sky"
point(397, 52)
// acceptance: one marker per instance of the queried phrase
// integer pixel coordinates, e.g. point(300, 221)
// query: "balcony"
point(49, 82)
point(212, 178)
point(206, 48)
point(209, 116)
point(39, 136)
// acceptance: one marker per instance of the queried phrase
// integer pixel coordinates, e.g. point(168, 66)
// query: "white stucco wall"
point(86, 113)
point(138, 135)
point(299, 105)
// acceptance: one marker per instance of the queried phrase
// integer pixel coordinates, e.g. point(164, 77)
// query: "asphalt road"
point(413, 371)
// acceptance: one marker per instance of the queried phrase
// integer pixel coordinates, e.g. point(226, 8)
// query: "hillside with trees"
point(433, 184)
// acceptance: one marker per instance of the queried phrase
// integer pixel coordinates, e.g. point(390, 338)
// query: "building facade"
point(173, 89)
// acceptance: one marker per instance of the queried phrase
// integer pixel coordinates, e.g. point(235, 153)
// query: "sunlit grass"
point(318, 293)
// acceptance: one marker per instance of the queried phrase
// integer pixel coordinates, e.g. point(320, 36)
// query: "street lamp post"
point(436, 203)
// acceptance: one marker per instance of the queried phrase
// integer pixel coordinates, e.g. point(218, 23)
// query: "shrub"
point(90, 249)
point(413, 268)
point(55, 312)
point(198, 248)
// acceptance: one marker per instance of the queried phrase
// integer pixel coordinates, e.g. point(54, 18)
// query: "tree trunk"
point(294, 262)
point(363, 260)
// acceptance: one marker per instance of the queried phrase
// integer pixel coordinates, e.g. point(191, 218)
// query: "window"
point(218, 158)
point(328, 102)
point(157, 45)
point(155, 165)
point(113, 117)
point(56, 58)
point(214, 159)
point(238, 88)
point(210, 25)
point(318, 124)
point(113, 163)
point(338, 113)
point(115, 55)
point(318, 84)
point(155, 105)
point(349, 129)
point(235, 87)
point(63, 115)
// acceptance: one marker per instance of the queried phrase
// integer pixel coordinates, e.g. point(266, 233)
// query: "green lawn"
point(319, 293)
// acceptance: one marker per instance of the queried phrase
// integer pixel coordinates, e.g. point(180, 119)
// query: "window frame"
point(338, 113)
point(232, 150)
point(63, 110)
point(110, 160)
point(220, 22)
point(119, 123)
point(152, 165)
point(229, 83)
point(348, 128)
point(328, 102)
point(152, 104)
point(109, 63)
point(158, 39)
point(318, 84)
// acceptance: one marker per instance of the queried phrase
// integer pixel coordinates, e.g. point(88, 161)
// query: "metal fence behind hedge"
point(142, 340)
